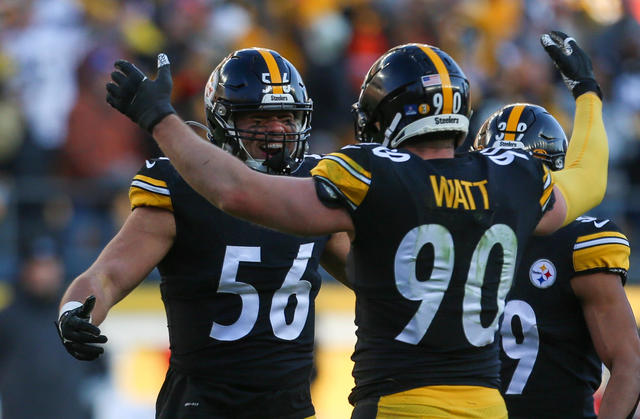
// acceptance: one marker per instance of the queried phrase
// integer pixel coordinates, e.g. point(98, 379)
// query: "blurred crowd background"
point(66, 157)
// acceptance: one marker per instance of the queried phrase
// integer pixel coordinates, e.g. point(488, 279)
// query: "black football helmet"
point(412, 90)
point(256, 80)
point(525, 126)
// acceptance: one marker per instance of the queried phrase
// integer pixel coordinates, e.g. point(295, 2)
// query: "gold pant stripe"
point(471, 402)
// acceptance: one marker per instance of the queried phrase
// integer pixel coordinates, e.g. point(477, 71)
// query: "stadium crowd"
point(55, 57)
point(66, 159)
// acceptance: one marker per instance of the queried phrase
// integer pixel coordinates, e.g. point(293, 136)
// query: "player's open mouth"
point(271, 149)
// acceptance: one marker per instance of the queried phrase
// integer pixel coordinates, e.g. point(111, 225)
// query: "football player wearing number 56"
point(239, 298)
point(435, 237)
point(567, 311)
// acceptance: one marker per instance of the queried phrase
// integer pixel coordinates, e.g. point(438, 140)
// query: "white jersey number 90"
point(431, 292)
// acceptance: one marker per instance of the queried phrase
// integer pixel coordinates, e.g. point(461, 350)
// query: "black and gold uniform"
point(239, 300)
point(436, 246)
point(549, 365)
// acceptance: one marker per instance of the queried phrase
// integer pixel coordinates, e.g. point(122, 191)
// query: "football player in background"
point(567, 310)
point(239, 298)
point(435, 238)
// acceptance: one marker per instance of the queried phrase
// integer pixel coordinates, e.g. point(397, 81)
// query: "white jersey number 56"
point(292, 285)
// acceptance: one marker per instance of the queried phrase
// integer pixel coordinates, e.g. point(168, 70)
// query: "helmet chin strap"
point(202, 127)
point(391, 129)
point(280, 162)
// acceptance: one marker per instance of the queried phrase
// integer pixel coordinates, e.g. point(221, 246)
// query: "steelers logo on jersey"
point(542, 273)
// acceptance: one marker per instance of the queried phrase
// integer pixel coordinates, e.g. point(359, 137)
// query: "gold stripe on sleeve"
point(352, 182)
point(602, 256)
point(352, 165)
point(151, 181)
point(139, 197)
point(548, 189)
point(600, 235)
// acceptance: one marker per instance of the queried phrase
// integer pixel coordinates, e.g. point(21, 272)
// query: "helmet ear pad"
point(414, 90)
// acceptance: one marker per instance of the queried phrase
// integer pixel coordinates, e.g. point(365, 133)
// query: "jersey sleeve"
point(543, 180)
point(600, 246)
point(150, 186)
point(583, 181)
point(343, 177)
point(547, 199)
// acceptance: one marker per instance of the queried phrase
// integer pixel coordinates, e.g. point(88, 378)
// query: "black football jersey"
point(239, 298)
point(436, 246)
point(549, 365)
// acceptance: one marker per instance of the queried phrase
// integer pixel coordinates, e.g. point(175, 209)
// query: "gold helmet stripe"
point(512, 122)
point(445, 80)
point(274, 71)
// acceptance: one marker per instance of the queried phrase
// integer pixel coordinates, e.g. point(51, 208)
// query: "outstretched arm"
point(142, 242)
point(284, 203)
point(583, 183)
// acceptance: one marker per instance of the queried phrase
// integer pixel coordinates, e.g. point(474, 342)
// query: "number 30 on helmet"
point(525, 126)
point(413, 90)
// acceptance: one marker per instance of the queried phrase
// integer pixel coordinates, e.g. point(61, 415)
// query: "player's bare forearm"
point(209, 170)
point(84, 286)
point(230, 185)
point(622, 391)
point(142, 242)
point(613, 331)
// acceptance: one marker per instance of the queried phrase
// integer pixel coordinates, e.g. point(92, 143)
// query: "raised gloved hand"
point(143, 100)
point(78, 334)
point(574, 64)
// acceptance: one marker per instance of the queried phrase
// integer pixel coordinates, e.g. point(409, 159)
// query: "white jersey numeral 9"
point(526, 351)
point(431, 292)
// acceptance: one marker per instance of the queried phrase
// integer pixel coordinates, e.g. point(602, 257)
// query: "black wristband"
point(585, 86)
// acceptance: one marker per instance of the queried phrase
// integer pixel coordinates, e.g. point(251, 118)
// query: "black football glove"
point(143, 100)
point(77, 334)
point(574, 64)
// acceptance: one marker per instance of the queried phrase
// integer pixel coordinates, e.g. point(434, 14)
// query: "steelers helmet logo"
point(542, 273)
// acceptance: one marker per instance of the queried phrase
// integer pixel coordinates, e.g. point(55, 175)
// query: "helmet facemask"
point(260, 82)
point(266, 151)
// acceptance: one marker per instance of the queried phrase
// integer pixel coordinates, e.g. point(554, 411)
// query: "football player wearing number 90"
point(239, 298)
point(435, 238)
point(567, 310)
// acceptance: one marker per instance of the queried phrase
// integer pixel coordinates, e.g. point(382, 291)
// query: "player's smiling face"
point(267, 129)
